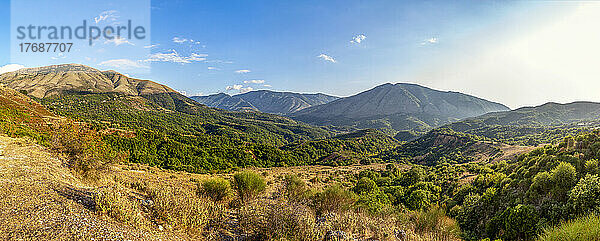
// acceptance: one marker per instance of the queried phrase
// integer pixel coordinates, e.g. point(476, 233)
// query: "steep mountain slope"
point(533, 125)
point(51, 80)
point(395, 107)
point(225, 102)
point(21, 116)
point(265, 101)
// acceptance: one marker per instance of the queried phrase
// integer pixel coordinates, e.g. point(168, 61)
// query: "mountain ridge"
point(397, 107)
point(41, 82)
point(275, 102)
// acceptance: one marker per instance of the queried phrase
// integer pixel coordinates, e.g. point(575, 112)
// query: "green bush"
point(333, 199)
point(585, 228)
point(521, 223)
point(564, 176)
point(248, 185)
point(295, 188)
point(216, 188)
point(365, 185)
point(585, 196)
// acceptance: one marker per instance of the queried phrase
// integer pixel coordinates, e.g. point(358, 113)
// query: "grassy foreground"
point(584, 228)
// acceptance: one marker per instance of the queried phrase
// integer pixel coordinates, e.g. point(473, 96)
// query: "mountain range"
point(265, 101)
point(398, 107)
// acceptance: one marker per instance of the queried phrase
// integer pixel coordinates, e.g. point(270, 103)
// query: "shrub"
point(278, 220)
point(114, 202)
point(248, 185)
point(295, 188)
point(585, 196)
point(585, 228)
point(564, 176)
point(373, 201)
point(87, 152)
point(216, 188)
point(181, 208)
point(333, 199)
point(521, 223)
point(365, 185)
point(418, 200)
point(435, 222)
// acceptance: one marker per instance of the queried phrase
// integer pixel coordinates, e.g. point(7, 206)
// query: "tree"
point(564, 176)
point(585, 196)
point(521, 223)
point(418, 200)
point(365, 185)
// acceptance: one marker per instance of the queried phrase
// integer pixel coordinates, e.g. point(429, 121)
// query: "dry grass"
point(45, 200)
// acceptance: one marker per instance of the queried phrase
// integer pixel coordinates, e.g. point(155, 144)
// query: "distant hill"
point(443, 145)
point(55, 79)
point(397, 107)
point(265, 101)
point(225, 102)
point(546, 123)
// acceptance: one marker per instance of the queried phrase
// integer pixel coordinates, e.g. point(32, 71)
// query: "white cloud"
point(246, 89)
point(60, 56)
point(254, 81)
point(10, 68)
point(174, 57)
point(327, 58)
point(118, 41)
point(358, 39)
point(234, 87)
point(239, 88)
point(212, 68)
point(432, 40)
point(219, 61)
point(151, 46)
point(110, 15)
point(243, 71)
point(267, 86)
point(123, 64)
point(184, 40)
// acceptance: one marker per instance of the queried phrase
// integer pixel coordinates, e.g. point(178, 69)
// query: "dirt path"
point(41, 200)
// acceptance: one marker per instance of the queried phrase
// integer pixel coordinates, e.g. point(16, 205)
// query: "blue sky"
point(486, 48)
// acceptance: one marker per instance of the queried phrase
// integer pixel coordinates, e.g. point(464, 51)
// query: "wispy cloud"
point(267, 86)
point(254, 81)
point(174, 57)
point(59, 56)
point(216, 61)
point(110, 15)
point(151, 46)
point(432, 40)
point(358, 39)
point(243, 71)
point(10, 68)
point(123, 64)
point(212, 68)
point(327, 58)
point(118, 41)
point(184, 40)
